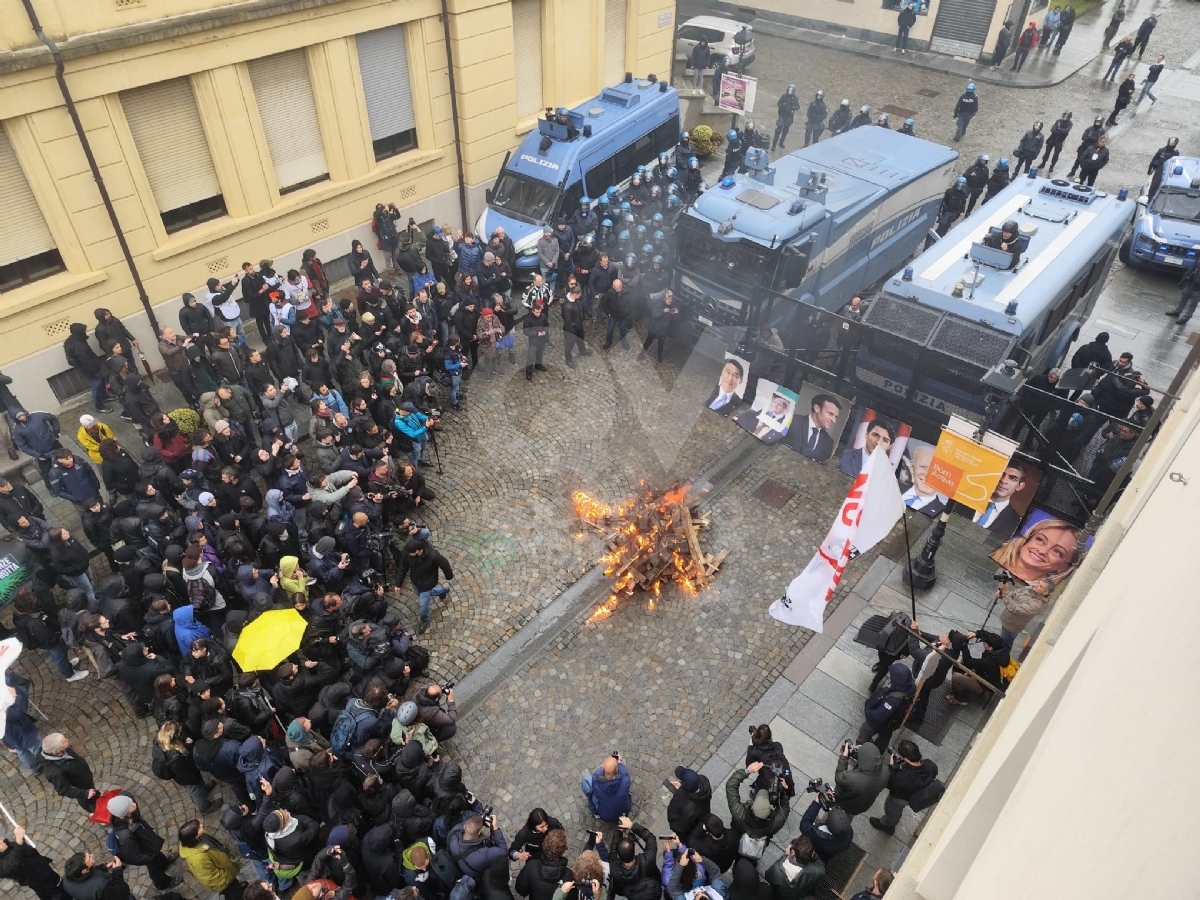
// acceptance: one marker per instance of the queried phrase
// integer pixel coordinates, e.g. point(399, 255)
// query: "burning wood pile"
point(651, 539)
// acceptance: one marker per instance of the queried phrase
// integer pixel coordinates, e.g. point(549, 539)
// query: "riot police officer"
point(1029, 147)
point(584, 220)
point(883, 121)
point(693, 180)
point(977, 178)
point(908, 127)
point(863, 117)
point(1054, 143)
point(965, 109)
point(840, 121)
point(814, 122)
point(954, 204)
point(788, 105)
point(1090, 137)
point(735, 152)
point(999, 180)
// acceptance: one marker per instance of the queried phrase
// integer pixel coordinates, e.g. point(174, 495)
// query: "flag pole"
point(912, 596)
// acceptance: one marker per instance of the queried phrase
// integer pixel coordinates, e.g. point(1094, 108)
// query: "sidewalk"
point(1042, 68)
point(818, 701)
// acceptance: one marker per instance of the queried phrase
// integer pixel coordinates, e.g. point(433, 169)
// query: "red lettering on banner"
point(850, 507)
point(839, 568)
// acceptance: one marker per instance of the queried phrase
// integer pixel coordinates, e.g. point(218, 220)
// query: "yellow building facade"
point(230, 132)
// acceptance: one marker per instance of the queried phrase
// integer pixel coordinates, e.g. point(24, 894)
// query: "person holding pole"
point(987, 666)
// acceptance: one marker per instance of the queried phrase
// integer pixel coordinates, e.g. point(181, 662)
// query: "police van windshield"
point(1177, 204)
point(733, 265)
point(524, 198)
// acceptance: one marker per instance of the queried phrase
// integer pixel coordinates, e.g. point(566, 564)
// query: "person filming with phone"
point(608, 789)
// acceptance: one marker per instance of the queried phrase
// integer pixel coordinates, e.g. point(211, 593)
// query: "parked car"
point(1166, 231)
point(720, 34)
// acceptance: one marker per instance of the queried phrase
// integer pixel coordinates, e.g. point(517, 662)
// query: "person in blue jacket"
point(20, 729)
point(71, 478)
point(608, 789)
point(187, 629)
point(412, 425)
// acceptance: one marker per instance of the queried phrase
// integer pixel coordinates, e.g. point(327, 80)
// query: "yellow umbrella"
point(269, 639)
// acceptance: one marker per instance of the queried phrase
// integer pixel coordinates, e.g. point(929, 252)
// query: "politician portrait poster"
point(869, 431)
point(770, 416)
point(915, 491)
point(1009, 499)
point(817, 426)
point(727, 396)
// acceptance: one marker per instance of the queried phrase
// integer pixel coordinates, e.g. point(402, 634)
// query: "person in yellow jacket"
point(91, 433)
point(292, 578)
point(212, 865)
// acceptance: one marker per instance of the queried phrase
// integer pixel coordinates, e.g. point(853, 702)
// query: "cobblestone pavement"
point(665, 686)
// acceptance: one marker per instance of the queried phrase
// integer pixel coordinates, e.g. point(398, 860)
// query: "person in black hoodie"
point(764, 749)
point(138, 669)
point(137, 843)
point(691, 803)
point(23, 865)
point(541, 876)
point(830, 837)
point(987, 665)
point(86, 361)
point(17, 500)
point(422, 563)
point(36, 624)
point(412, 820)
point(714, 841)
point(119, 469)
point(494, 883)
point(110, 330)
point(635, 873)
point(746, 884)
point(910, 774)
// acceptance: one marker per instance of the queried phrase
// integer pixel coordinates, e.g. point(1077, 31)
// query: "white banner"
point(868, 513)
point(10, 649)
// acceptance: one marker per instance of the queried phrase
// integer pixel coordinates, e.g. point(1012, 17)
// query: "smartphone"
point(666, 837)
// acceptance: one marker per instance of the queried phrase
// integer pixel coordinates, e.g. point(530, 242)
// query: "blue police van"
point(966, 322)
point(808, 229)
point(578, 153)
point(1166, 231)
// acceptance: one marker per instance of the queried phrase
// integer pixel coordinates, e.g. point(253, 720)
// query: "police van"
point(1166, 231)
point(577, 153)
point(808, 229)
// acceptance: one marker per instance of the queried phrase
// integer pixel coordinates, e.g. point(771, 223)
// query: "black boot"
point(529, 373)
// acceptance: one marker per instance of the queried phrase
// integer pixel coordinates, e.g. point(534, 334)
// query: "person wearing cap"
point(437, 251)
point(227, 310)
point(91, 433)
point(759, 818)
point(547, 249)
point(36, 434)
point(36, 622)
point(537, 336)
point(137, 843)
point(493, 275)
point(691, 802)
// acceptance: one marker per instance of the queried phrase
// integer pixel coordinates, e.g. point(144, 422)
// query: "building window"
point(527, 47)
point(27, 250)
point(920, 7)
point(171, 144)
point(615, 29)
point(30, 269)
point(289, 118)
point(383, 65)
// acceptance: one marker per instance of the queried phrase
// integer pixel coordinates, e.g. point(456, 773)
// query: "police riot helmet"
point(982, 158)
point(657, 218)
point(960, 182)
point(672, 202)
point(659, 236)
point(970, 87)
point(631, 259)
point(1037, 127)
point(866, 110)
point(1002, 164)
point(909, 123)
point(693, 163)
point(647, 250)
point(1099, 121)
point(407, 713)
point(623, 237)
point(641, 232)
point(636, 180)
point(663, 159)
point(791, 89)
point(658, 260)
point(641, 170)
point(749, 127)
point(1067, 115)
point(732, 135)
point(606, 223)
point(586, 240)
point(625, 207)
point(655, 191)
point(820, 94)
point(672, 173)
point(686, 137)
point(883, 118)
point(585, 202)
point(1010, 226)
point(628, 219)
point(672, 190)
point(846, 103)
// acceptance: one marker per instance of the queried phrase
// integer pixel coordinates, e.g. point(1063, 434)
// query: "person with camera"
point(442, 721)
point(635, 874)
point(861, 776)
point(476, 843)
point(910, 776)
point(795, 874)
point(830, 829)
point(608, 789)
point(761, 818)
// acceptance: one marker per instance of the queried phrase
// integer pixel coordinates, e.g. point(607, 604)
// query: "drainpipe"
point(91, 158)
point(462, 181)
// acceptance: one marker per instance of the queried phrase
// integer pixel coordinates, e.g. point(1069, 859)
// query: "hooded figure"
point(691, 803)
point(885, 708)
point(746, 884)
point(187, 629)
point(859, 782)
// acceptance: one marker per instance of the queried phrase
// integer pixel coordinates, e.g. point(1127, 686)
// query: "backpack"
point(201, 594)
point(751, 848)
point(444, 868)
point(417, 658)
point(346, 725)
point(926, 796)
point(111, 844)
point(1009, 672)
point(464, 889)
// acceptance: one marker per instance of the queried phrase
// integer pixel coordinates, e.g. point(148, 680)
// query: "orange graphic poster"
point(965, 470)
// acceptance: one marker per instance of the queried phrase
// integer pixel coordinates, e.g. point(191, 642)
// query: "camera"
point(1003, 577)
point(376, 542)
point(774, 788)
point(449, 686)
point(824, 792)
point(487, 816)
point(849, 748)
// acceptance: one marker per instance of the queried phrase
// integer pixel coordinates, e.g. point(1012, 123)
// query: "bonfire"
point(652, 539)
